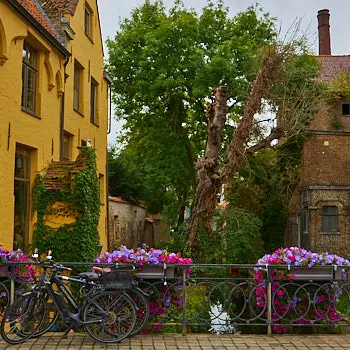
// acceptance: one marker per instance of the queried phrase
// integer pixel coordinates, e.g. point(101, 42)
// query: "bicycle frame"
point(62, 298)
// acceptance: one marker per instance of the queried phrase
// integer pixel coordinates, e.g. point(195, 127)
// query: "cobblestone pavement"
point(190, 341)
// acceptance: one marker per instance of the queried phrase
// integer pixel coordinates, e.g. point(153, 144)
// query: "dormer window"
point(88, 21)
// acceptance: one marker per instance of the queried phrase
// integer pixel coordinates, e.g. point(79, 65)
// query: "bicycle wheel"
point(23, 318)
point(49, 317)
point(142, 309)
point(111, 316)
point(20, 287)
point(4, 298)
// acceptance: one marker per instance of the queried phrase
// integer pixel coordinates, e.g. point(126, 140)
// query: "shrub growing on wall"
point(74, 240)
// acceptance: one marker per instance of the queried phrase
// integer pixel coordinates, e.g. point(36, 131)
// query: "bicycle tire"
point(23, 318)
point(4, 298)
point(49, 319)
point(52, 314)
point(142, 309)
point(119, 322)
point(20, 286)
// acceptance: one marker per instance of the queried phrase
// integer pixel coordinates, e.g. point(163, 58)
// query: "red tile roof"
point(121, 200)
point(34, 9)
point(118, 200)
point(332, 65)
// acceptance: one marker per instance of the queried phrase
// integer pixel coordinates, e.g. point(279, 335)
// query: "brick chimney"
point(324, 39)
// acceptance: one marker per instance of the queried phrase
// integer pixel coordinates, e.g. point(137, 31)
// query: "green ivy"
point(74, 241)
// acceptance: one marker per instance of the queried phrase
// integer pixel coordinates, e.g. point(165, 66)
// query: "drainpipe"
point(66, 60)
point(109, 102)
point(107, 203)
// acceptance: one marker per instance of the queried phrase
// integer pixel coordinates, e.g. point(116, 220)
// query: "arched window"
point(3, 48)
point(329, 219)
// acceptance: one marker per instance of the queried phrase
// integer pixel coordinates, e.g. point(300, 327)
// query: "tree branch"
point(276, 133)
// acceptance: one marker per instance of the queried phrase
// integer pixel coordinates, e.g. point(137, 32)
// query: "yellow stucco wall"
point(40, 133)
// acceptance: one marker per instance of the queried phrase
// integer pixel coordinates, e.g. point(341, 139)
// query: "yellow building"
point(53, 99)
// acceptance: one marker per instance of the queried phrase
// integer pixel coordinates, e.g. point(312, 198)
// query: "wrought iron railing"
point(230, 298)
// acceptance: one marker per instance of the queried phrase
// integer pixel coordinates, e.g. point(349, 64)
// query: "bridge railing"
point(228, 298)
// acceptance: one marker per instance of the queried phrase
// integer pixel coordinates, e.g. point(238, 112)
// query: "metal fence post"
point(12, 284)
point(184, 320)
point(269, 302)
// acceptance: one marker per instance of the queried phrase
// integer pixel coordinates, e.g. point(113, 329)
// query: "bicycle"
point(139, 297)
point(12, 285)
point(107, 315)
point(111, 281)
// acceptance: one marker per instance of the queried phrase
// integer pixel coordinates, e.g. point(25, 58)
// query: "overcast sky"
point(286, 12)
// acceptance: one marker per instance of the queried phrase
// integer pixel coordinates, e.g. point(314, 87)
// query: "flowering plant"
point(143, 255)
point(25, 272)
point(162, 297)
point(300, 308)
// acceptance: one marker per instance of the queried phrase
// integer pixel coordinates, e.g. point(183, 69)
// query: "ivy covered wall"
point(67, 201)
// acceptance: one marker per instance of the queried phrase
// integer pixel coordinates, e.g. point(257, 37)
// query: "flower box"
point(325, 273)
point(156, 272)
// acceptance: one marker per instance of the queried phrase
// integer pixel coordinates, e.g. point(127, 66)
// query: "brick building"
point(320, 214)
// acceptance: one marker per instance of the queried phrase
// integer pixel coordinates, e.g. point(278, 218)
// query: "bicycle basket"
point(117, 279)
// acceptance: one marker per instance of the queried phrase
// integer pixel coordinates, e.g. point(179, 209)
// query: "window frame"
point(88, 16)
point(347, 107)
point(24, 181)
point(328, 225)
point(77, 87)
point(94, 101)
point(29, 67)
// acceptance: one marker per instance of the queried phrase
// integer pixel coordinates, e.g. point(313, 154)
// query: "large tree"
point(165, 65)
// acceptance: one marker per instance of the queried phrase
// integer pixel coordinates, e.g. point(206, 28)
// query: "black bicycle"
point(107, 315)
point(113, 279)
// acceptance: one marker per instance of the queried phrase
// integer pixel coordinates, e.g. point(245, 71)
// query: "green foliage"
point(264, 188)
point(241, 236)
point(164, 65)
point(74, 241)
point(297, 94)
point(236, 238)
point(337, 123)
point(125, 178)
point(340, 86)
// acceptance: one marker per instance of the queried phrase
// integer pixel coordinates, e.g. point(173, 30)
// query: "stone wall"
point(126, 223)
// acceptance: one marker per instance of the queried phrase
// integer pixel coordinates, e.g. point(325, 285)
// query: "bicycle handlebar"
point(49, 263)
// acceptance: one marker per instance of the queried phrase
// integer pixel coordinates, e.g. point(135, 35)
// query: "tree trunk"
point(265, 78)
point(210, 177)
point(209, 182)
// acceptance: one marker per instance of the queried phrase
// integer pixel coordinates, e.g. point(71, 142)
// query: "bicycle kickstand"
point(65, 335)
